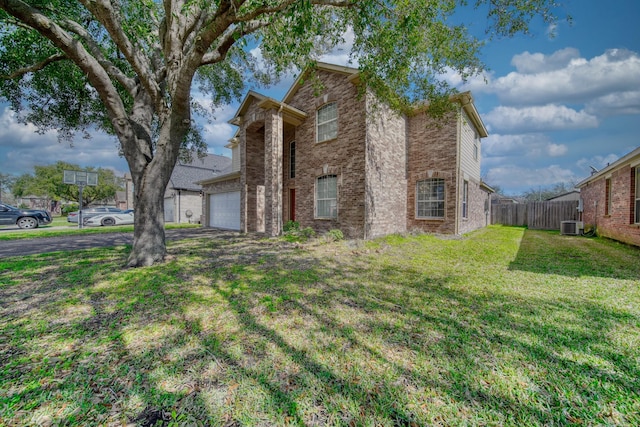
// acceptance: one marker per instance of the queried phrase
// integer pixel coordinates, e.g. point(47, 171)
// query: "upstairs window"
point(327, 196)
point(327, 122)
point(430, 198)
point(292, 160)
point(476, 148)
point(607, 196)
point(637, 195)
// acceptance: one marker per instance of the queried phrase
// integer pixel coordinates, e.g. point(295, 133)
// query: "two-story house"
point(337, 160)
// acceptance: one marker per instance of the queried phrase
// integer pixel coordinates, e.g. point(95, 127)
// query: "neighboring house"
point(572, 195)
point(183, 196)
point(611, 199)
point(336, 160)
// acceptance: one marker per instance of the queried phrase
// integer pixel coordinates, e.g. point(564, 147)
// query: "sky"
point(554, 106)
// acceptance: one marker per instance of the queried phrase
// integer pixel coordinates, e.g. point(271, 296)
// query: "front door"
point(292, 204)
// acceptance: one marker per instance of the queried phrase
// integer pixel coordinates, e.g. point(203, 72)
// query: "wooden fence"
point(535, 215)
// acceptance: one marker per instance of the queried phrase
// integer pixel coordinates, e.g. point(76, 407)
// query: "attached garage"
point(224, 210)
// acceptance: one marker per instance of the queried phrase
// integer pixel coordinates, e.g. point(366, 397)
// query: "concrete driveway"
point(21, 247)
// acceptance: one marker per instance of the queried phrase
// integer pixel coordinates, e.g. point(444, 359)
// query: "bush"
point(72, 207)
point(293, 233)
point(291, 226)
point(334, 235)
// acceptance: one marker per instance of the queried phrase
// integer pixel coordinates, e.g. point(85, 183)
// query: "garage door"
point(224, 210)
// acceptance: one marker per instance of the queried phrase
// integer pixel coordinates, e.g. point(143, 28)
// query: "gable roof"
point(347, 71)
point(185, 175)
point(632, 158)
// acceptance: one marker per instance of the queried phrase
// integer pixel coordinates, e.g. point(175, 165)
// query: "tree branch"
point(230, 38)
point(95, 50)
point(35, 67)
point(71, 48)
point(103, 11)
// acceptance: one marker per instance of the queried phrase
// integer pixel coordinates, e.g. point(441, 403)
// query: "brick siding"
point(432, 154)
point(343, 156)
point(618, 224)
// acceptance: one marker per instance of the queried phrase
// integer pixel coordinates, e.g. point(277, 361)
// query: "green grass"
point(503, 327)
point(72, 229)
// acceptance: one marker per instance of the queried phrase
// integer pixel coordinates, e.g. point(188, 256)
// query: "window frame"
point(322, 108)
point(465, 199)
point(607, 196)
point(333, 207)
point(292, 159)
point(637, 196)
point(427, 200)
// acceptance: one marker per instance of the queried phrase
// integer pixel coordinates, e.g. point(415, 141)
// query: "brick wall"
point(252, 156)
point(478, 200)
point(343, 156)
point(432, 154)
point(386, 182)
point(618, 224)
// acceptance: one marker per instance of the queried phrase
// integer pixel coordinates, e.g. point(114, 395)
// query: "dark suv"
point(23, 218)
point(90, 212)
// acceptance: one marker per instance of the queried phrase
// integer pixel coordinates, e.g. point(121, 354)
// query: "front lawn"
point(505, 326)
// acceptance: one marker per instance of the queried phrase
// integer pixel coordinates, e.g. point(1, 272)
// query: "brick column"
point(273, 171)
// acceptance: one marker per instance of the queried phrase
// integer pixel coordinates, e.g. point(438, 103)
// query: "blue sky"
point(553, 106)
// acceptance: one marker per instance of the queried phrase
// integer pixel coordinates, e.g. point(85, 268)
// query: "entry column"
point(273, 171)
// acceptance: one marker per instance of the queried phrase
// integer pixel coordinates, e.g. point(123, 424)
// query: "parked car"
point(23, 218)
point(110, 219)
point(91, 212)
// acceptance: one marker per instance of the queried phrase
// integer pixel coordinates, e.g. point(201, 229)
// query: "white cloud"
point(533, 63)
point(534, 145)
point(538, 119)
point(515, 179)
point(615, 104)
point(598, 162)
point(539, 81)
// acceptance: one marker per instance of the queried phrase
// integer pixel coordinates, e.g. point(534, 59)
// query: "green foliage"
point(47, 182)
point(291, 226)
point(70, 207)
point(293, 233)
point(334, 235)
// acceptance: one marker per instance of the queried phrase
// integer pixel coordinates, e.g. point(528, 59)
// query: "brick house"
point(336, 160)
point(611, 199)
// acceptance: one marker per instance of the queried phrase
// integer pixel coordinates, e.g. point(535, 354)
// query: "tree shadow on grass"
point(256, 333)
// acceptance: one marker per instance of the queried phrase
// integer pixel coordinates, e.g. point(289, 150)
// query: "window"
point(465, 199)
point(327, 122)
point(327, 196)
point(292, 160)
point(637, 195)
point(430, 198)
point(607, 196)
point(476, 148)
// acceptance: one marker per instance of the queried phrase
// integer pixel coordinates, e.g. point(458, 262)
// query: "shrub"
point(291, 226)
point(72, 207)
point(334, 235)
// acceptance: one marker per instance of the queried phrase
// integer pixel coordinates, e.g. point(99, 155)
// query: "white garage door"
point(224, 210)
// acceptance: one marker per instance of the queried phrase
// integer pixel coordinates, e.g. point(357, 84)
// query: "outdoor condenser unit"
point(571, 228)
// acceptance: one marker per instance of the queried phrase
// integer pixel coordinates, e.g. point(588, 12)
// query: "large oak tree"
point(129, 67)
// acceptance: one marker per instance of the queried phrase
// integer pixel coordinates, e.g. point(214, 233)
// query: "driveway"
point(21, 247)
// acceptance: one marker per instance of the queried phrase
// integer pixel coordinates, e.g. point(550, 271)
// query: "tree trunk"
point(148, 233)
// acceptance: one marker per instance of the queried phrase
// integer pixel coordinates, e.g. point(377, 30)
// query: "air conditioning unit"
point(571, 228)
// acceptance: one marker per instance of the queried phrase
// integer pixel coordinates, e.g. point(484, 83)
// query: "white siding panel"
point(468, 138)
